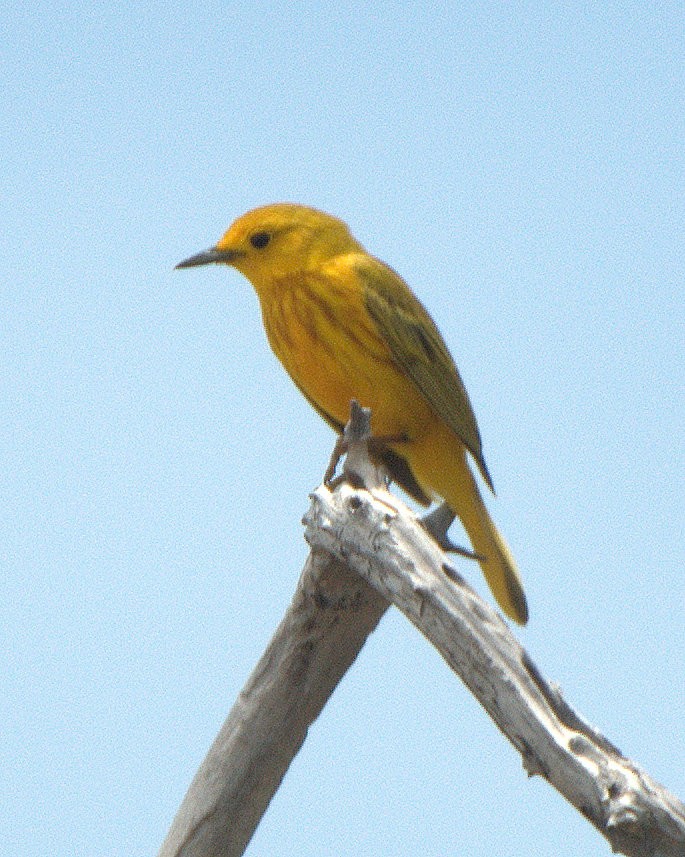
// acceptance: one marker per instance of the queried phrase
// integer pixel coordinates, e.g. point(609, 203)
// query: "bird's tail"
point(495, 558)
point(456, 485)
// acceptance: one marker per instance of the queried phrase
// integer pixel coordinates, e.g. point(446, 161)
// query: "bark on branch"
point(332, 613)
point(369, 550)
point(381, 540)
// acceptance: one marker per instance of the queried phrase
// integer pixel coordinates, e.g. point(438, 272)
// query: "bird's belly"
point(334, 360)
point(333, 383)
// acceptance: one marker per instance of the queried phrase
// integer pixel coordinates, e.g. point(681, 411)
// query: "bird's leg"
point(360, 471)
point(339, 450)
point(437, 523)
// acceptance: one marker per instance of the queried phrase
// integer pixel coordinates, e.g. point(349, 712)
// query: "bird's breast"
point(330, 346)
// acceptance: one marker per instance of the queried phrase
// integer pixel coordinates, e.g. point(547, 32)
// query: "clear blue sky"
point(522, 166)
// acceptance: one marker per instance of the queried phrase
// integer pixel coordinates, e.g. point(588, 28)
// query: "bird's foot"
point(437, 523)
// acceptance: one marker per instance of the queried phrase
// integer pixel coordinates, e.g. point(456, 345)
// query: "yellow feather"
point(344, 325)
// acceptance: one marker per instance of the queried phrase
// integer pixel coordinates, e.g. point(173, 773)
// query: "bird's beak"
point(209, 257)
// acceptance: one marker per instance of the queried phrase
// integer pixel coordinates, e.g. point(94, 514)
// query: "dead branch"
point(332, 613)
point(382, 541)
point(369, 550)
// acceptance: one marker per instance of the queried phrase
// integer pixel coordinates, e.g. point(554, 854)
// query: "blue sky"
point(522, 166)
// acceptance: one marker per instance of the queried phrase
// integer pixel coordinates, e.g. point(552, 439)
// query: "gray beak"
point(209, 257)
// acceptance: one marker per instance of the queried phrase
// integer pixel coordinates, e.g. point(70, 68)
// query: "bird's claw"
point(437, 523)
point(339, 450)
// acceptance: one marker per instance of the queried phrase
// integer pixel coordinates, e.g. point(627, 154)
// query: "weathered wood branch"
point(369, 550)
point(383, 542)
point(332, 613)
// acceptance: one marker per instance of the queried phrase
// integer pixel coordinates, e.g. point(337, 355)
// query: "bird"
point(346, 326)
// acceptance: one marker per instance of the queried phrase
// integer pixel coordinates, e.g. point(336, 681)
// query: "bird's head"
point(278, 240)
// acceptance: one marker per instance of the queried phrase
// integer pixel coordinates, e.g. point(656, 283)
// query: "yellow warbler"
point(345, 325)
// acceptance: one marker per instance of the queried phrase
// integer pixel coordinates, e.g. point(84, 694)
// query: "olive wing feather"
point(418, 348)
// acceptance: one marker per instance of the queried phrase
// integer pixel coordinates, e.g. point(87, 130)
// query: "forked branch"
point(369, 550)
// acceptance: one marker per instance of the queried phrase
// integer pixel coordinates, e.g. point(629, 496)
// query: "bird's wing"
point(418, 348)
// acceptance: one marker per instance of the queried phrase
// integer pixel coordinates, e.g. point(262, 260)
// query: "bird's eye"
point(260, 239)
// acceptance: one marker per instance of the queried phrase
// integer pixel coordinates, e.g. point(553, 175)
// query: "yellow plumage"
point(345, 325)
